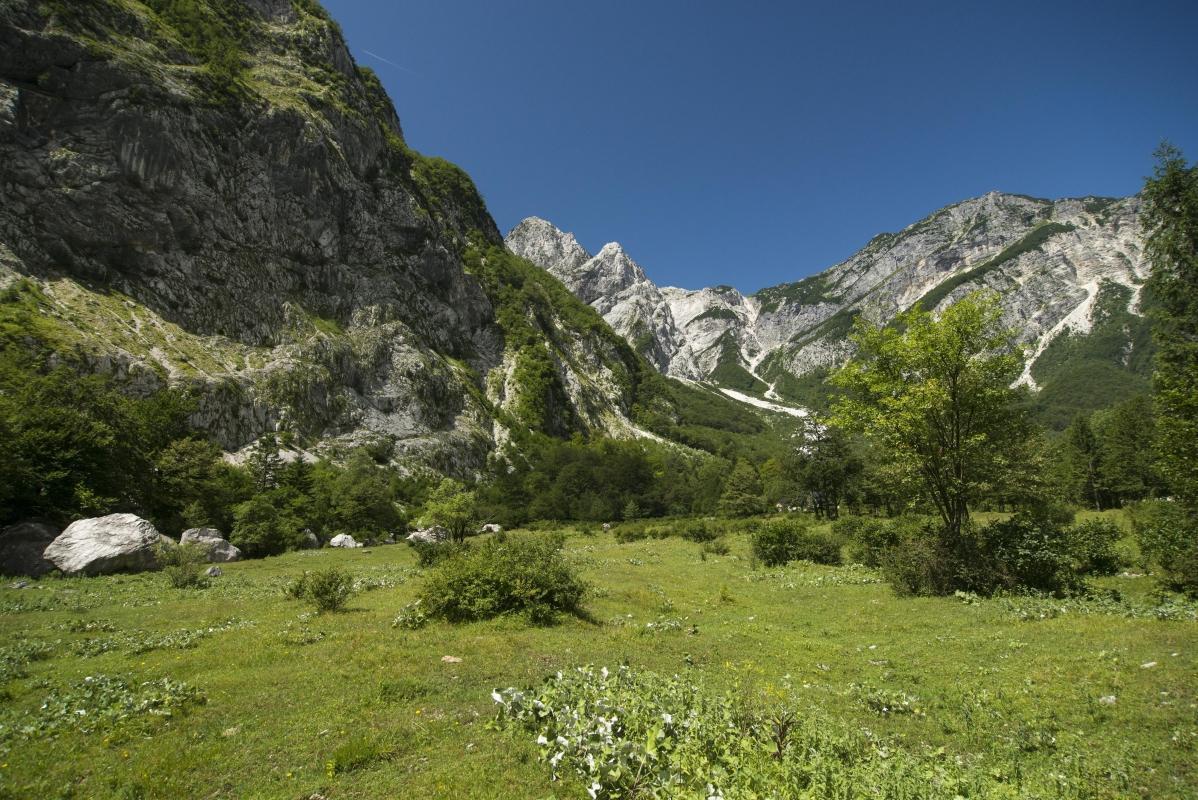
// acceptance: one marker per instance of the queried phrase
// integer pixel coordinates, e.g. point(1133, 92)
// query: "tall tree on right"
point(1170, 220)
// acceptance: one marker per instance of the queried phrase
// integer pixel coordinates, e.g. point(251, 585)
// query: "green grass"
point(345, 705)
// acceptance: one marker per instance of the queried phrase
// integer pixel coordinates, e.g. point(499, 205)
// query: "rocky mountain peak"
point(1047, 260)
point(543, 243)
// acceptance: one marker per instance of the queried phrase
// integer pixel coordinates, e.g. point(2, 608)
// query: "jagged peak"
point(546, 245)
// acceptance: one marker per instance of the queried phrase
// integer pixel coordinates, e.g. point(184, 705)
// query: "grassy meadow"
point(124, 687)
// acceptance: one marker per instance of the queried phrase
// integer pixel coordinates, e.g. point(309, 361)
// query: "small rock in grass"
point(213, 572)
point(1148, 665)
point(451, 659)
point(1107, 700)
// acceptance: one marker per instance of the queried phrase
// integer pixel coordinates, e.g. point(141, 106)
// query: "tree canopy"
point(936, 393)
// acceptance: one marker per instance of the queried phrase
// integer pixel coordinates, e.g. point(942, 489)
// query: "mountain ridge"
point(1047, 260)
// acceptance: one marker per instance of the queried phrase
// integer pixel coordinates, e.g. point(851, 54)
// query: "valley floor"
point(291, 704)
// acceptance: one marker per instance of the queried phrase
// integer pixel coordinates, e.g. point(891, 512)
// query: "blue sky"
point(753, 143)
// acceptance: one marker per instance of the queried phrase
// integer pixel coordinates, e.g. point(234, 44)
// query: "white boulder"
point(115, 543)
point(219, 549)
point(433, 535)
point(343, 540)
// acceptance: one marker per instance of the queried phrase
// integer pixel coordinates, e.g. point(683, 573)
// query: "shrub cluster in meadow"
point(526, 575)
point(1036, 551)
point(779, 541)
point(328, 590)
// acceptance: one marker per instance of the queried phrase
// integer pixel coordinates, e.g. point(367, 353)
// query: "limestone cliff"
point(213, 194)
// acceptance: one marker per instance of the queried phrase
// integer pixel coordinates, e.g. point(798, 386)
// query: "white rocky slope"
point(1046, 259)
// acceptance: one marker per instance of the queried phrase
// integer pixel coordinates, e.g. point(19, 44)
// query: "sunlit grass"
point(347, 706)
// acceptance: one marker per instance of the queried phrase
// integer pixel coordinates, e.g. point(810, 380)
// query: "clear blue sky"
point(753, 143)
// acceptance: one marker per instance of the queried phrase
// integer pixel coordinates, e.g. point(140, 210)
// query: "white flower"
point(557, 758)
point(669, 719)
point(541, 740)
point(497, 697)
point(594, 788)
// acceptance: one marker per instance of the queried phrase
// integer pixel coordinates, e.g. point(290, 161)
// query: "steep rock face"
point(1047, 261)
point(231, 204)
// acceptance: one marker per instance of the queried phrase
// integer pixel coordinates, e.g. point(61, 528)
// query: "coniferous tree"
point(742, 492)
point(1081, 457)
point(1170, 219)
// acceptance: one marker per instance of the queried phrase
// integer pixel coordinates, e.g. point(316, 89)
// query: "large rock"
point(115, 543)
point(433, 535)
point(343, 540)
point(309, 541)
point(218, 547)
point(21, 548)
point(491, 527)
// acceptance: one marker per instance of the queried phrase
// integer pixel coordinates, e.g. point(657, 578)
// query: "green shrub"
point(699, 530)
point(631, 532)
point(779, 541)
point(716, 547)
point(183, 565)
point(1026, 552)
point(866, 539)
point(524, 575)
point(1168, 538)
point(429, 554)
point(818, 547)
point(328, 589)
point(918, 565)
point(1092, 545)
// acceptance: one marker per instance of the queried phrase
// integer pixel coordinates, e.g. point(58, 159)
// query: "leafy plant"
point(183, 564)
point(524, 575)
point(327, 589)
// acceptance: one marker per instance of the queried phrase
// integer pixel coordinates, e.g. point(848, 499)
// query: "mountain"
point(211, 194)
point(1068, 274)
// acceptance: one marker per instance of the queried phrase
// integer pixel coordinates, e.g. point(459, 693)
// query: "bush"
point(524, 575)
point(627, 533)
point(716, 547)
point(429, 554)
point(779, 541)
point(818, 547)
point(775, 541)
point(328, 589)
point(1026, 552)
point(866, 539)
point(699, 530)
point(1168, 538)
point(916, 564)
point(1092, 545)
point(183, 565)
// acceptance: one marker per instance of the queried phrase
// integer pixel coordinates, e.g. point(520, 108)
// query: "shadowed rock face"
point(1046, 260)
point(267, 237)
point(22, 546)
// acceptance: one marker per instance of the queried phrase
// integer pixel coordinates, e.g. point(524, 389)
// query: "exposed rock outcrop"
point(264, 235)
point(1047, 260)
